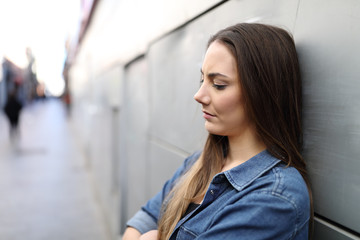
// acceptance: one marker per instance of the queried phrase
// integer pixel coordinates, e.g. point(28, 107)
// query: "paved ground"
point(45, 190)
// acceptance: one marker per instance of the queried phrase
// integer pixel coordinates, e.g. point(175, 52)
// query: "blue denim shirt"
point(259, 199)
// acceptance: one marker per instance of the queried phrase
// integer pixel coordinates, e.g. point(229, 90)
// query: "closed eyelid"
point(218, 80)
point(219, 86)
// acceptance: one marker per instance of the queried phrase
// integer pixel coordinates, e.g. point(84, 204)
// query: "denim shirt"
point(259, 199)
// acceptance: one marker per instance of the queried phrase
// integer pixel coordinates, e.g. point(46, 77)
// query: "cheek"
point(231, 105)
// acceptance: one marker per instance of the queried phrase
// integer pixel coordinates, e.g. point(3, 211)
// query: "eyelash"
point(217, 86)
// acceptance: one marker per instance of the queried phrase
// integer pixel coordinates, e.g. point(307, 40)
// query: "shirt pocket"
point(185, 234)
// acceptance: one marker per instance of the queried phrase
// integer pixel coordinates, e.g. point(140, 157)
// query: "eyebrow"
point(215, 74)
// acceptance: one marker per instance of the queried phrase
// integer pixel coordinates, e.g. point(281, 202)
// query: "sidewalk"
point(45, 189)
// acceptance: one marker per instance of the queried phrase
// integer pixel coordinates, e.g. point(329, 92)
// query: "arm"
point(146, 219)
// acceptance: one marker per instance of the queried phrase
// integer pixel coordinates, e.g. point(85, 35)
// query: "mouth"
point(208, 115)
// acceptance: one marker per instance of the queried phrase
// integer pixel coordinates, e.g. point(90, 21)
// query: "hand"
point(131, 234)
point(151, 235)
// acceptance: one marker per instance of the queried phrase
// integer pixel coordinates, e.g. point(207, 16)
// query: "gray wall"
point(329, 53)
point(160, 123)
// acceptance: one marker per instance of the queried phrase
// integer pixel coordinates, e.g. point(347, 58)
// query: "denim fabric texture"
point(259, 199)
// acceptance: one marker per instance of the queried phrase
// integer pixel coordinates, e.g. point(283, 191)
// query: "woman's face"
point(220, 93)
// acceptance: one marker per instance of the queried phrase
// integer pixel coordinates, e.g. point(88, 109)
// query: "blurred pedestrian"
point(12, 110)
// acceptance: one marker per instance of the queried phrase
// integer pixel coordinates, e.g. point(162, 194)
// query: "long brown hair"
point(270, 80)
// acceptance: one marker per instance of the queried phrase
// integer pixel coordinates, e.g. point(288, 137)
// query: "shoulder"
point(267, 175)
point(290, 185)
point(285, 190)
point(277, 200)
point(282, 182)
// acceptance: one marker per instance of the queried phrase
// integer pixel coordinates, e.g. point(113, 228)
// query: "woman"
point(250, 181)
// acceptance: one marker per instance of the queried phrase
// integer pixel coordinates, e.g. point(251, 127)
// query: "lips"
point(208, 115)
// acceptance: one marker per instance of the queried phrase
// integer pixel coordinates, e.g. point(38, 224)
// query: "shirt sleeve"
point(258, 217)
point(142, 221)
point(147, 217)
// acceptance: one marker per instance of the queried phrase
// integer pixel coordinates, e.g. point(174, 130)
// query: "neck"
point(242, 148)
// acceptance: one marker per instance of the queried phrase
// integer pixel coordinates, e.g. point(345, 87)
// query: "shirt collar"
point(245, 173)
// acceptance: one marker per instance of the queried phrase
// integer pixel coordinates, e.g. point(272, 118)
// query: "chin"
point(215, 131)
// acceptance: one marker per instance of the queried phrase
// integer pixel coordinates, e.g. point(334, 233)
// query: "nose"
point(202, 95)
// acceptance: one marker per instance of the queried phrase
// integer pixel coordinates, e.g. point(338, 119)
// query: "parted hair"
point(269, 75)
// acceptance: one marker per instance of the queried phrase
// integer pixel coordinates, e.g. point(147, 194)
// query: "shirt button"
point(212, 192)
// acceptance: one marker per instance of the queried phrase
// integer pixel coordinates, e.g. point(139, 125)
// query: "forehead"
point(218, 58)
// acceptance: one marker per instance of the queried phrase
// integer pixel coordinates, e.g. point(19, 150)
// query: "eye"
point(219, 87)
point(201, 81)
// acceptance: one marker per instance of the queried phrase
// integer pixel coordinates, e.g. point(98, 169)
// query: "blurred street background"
point(46, 190)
